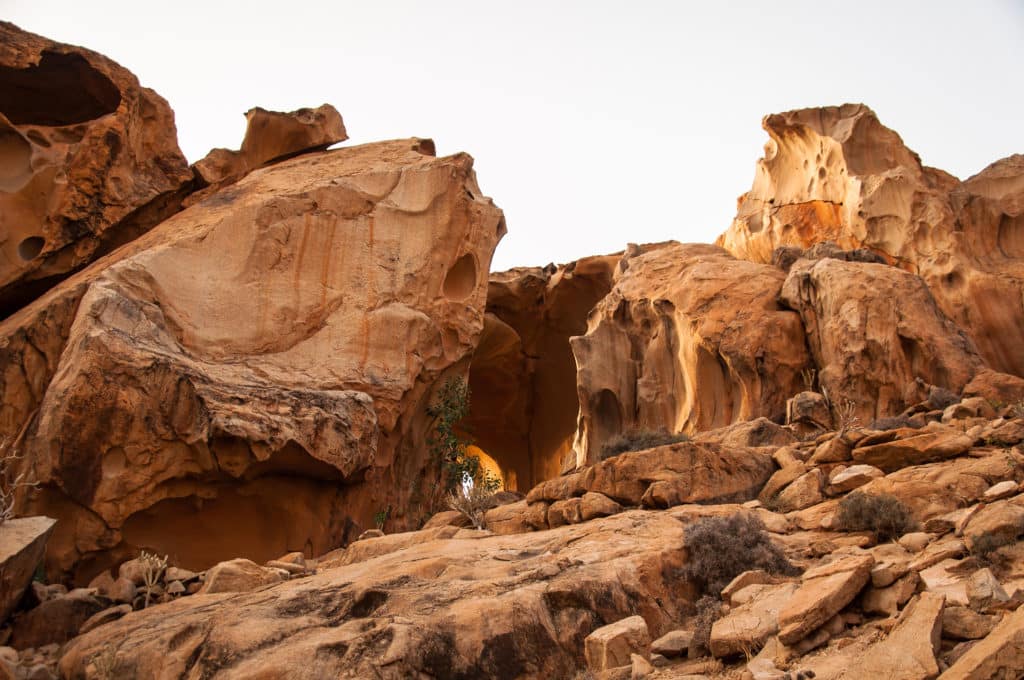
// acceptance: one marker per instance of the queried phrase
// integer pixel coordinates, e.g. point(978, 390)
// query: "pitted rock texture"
point(85, 154)
point(689, 339)
point(837, 174)
point(258, 365)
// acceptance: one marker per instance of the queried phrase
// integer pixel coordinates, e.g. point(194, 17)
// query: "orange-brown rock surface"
point(244, 389)
point(88, 160)
point(270, 136)
point(689, 339)
point(465, 606)
point(838, 174)
point(877, 336)
point(250, 377)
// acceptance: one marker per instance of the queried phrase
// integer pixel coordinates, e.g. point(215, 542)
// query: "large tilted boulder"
point(22, 543)
point(689, 339)
point(877, 335)
point(250, 377)
point(837, 174)
point(86, 154)
point(466, 607)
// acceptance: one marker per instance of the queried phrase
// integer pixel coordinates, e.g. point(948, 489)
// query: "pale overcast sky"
point(593, 123)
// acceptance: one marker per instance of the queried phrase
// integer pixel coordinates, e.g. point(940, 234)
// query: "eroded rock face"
point(88, 160)
point(689, 339)
point(273, 135)
point(875, 333)
point(463, 607)
point(838, 174)
point(523, 376)
point(666, 476)
point(250, 377)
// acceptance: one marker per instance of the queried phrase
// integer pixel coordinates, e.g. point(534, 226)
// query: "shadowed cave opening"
point(290, 502)
point(62, 89)
point(522, 378)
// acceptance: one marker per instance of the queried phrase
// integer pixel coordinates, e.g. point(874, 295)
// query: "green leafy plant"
point(461, 468)
point(380, 517)
point(882, 514)
point(718, 549)
point(639, 440)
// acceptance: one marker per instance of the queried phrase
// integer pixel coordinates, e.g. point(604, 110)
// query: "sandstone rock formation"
point(875, 332)
point(837, 174)
point(689, 339)
point(523, 376)
point(265, 354)
point(467, 606)
point(244, 389)
point(666, 476)
point(88, 161)
point(22, 543)
point(273, 136)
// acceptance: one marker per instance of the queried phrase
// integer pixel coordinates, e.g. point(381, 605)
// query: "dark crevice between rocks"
point(62, 89)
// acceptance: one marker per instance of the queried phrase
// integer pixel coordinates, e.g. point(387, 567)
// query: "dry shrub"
point(472, 501)
point(708, 610)
point(984, 546)
point(884, 515)
point(719, 549)
point(153, 568)
point(892, 423)
point(846, 415)
point(939, 398)
point(11, 481)
point(639, 440)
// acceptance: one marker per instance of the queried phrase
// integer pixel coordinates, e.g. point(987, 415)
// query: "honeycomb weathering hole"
point(61, 89)
point(30, 248)
point(460, 282)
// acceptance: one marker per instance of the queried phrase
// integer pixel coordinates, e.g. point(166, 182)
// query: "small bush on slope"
point(639, 440)
point(884, 515)
point(718, 549)
point(708, 610)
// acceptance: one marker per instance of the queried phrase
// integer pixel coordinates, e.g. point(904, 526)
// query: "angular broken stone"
point(612, 645)
point(908, 653)
point(825, 591)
